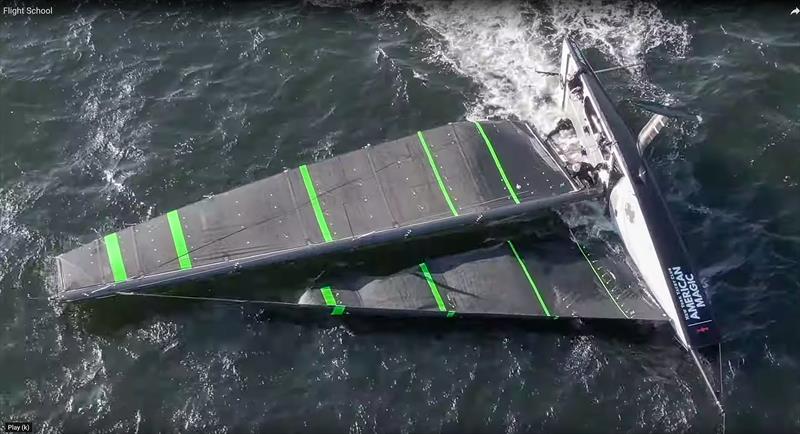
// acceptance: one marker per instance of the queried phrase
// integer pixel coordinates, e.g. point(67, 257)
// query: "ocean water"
point(110, 115)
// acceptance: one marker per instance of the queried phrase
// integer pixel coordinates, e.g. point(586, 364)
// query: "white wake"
point(501, 45)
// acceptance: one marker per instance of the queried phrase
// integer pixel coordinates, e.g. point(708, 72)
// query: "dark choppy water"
point(112, 116)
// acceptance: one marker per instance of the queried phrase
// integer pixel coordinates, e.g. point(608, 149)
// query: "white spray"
point(501, 46)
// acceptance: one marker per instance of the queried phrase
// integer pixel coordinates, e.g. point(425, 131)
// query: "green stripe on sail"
point(181, 250)
point(115, 258)
point(330, 300)
point(530, 278)
point(312, 196)
point(497, 163)
point(432, 284)
point(327, 294)
point(438, 177)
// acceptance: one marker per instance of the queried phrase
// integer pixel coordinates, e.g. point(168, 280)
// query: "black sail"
point(445, 179)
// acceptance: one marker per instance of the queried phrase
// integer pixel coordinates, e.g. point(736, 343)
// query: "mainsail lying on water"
point(550, 277)
point(443, 180)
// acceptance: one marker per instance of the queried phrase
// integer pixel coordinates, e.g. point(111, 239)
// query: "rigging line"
point(721, 381)
point(338, 309)
point(614, 68)
point(707, 381)
point(192, 297)
point(721, 377)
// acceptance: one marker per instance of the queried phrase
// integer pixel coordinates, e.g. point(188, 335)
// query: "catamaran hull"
point(636, 203)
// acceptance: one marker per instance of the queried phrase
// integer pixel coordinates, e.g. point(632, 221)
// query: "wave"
point(501, 47)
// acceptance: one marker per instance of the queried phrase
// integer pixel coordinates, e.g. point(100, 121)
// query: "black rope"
point(196, 297)
point(707, 382)
point(721, 391)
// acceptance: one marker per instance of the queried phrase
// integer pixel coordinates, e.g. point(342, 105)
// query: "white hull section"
point(627, 214)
